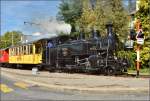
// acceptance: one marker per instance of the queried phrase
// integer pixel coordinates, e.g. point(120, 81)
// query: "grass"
point(143, 71)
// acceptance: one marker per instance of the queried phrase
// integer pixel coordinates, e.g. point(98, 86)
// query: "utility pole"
point(140, 41)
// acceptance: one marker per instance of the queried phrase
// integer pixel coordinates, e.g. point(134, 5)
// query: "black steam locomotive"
point(93, 55)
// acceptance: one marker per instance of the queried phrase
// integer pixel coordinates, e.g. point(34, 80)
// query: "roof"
point(31, 42)
point(132, 12)
point(38, 40)
point(5, 48)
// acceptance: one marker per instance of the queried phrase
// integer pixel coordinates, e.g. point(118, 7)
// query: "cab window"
point(37, 49)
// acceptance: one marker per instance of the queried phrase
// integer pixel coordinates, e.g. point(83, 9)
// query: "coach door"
point(38, 53)
point(50, 53)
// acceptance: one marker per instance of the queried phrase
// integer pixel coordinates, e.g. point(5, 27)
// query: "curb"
point(84, 89)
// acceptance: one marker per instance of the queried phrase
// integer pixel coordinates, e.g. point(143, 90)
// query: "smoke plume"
point(53, 27)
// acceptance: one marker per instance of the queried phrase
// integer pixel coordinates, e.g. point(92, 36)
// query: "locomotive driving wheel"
point(109, 71)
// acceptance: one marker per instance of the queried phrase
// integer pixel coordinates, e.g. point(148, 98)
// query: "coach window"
point(12, 51)
point(18, 52)
point(24, 50)
point(17, 49)
point(21, 50)
point(31, 49)
point(28, 49)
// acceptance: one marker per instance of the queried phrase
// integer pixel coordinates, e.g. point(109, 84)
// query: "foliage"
point(95, 16)
point(118, 15)
point(6, 39)
point(145, 57)
point(104, 12)
point(143, 71)
point(70, 11)
point(130, 55)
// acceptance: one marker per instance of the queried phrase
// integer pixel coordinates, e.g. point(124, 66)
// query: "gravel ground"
point(80, 81)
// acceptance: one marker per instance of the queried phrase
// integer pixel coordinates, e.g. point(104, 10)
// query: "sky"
point(15, 12)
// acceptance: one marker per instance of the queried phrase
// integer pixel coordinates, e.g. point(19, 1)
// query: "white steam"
point(37, 34)
point(53, 27)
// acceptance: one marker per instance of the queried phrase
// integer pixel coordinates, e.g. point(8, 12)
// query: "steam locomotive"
point(95, 54)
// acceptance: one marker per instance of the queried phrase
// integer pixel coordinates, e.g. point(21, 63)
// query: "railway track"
point(125, 75)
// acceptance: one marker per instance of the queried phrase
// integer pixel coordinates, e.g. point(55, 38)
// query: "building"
point(133, 19)
point(26, 38)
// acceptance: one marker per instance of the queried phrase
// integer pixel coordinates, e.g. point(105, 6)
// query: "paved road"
point(19, 91)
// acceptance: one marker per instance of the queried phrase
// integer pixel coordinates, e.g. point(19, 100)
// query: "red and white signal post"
point(140, 42)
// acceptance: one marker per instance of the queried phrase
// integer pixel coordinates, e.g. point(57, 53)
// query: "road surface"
point(19, 91)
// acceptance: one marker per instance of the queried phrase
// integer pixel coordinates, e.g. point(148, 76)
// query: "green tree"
point(70, 11)
point(145, 57)
point(105, 11)
point(6, 39)
point(119, 17)
point(87, 20)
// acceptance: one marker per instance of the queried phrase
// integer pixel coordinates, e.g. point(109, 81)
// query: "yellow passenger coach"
point(29, 53)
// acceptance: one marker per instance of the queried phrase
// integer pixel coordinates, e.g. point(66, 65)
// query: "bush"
point(130, 55)
point(145, 57)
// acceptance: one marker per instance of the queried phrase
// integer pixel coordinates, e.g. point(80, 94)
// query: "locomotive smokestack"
point(82, 36)
point(109, 29)
point(95, 33)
